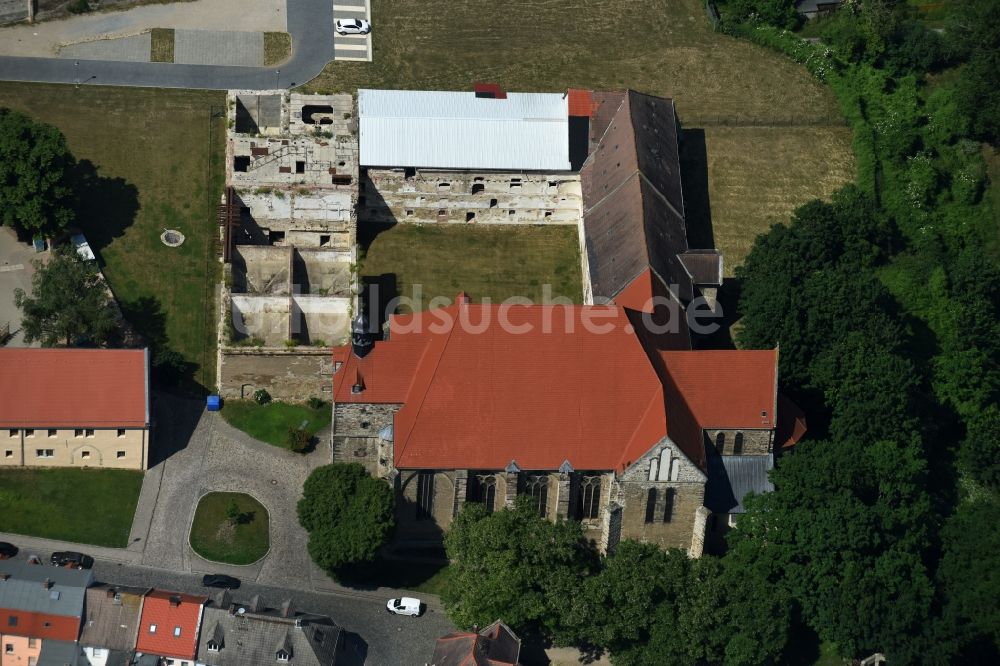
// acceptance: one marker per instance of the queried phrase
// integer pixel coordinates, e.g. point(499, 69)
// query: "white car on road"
point(82, 247)
point(404, 606)
point(352, 26)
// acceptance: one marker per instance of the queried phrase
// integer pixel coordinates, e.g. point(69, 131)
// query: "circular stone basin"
point(172, 238)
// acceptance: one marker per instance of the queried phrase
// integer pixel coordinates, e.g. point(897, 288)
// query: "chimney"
point(287, 610)
point(5, 576)
point(47, 584)
point(175, 600)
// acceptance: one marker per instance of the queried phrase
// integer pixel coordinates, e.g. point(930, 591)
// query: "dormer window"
point(214, 646)
point(283, 655)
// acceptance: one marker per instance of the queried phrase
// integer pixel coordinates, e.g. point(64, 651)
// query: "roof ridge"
point(423, 397)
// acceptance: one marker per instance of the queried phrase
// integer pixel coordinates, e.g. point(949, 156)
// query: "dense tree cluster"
point(881, 534)
point(35, 166)
point(69, 303)
point(348, 514)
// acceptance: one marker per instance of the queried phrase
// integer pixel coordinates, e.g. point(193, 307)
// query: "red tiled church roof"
point(559, 383)
point(158, 609)
point(97, 388)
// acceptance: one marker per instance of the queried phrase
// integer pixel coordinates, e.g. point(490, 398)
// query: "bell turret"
point(362, 339)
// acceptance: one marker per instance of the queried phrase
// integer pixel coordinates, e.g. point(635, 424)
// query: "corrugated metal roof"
point(731, 478)
point(24, 589)
point(457, 130)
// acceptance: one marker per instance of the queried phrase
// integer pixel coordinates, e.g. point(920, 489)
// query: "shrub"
point(261, 396)
point(79, 7)
point(315, 403)
point(298, 440)
point(291, 343)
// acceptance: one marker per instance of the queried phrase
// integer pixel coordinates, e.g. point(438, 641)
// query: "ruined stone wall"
point(421, 195)
point(740, 442)
point(12, 11)
point(291, 375)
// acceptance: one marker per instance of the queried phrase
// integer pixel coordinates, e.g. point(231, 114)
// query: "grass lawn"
point(277, 48)
point(91, 506)
point(497, 262)
point(151, 160)
point(214, 537)
point(270, 423)
point(724, 88)
point(757, 176)
point(161, 47)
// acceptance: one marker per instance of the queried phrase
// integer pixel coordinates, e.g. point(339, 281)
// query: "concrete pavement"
point(310, 24)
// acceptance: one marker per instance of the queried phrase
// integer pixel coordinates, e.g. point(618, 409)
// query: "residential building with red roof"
point(74, 408)
point(578, 407)
point(169, 626)
point(496, 645)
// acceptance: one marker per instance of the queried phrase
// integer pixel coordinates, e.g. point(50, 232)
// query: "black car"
point(70, 558)
point(7, 550)
point(220, 580)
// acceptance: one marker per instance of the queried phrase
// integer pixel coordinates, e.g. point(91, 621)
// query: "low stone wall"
point(291, 375)
point(12, 11)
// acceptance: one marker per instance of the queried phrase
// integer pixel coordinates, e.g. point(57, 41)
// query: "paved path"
point(134, 48)
point(352, 47)
point(220, 47)
point(310, 24)
point(44, 39)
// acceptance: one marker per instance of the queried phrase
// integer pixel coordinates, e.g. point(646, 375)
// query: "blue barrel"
point(214, 403)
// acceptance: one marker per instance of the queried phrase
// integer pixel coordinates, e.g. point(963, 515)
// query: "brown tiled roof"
point(496, 645)
point(633, 201)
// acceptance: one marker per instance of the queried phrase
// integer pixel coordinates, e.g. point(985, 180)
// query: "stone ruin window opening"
point(493, 203)
point(309, 110)
point(409, 173)
point(300, 166)
point(470, 217)
point(738, 444)
point(515, 183)
point(241, 163)
point(478, 188)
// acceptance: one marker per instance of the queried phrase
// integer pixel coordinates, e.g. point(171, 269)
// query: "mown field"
point(439, 261)
point(150, 160)
point(725, 89)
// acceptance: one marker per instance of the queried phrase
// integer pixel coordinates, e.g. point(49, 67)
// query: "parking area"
point(15, 272)
point(352, 47)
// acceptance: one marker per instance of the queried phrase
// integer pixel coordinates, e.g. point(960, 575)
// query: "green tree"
point(513, 564)
point(780, 13)
point(233, 512)
point(69, 303)
point(35, 191)
point(348, 514)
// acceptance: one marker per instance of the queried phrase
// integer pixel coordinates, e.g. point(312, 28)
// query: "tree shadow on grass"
point(105, 207)
point(169, 368)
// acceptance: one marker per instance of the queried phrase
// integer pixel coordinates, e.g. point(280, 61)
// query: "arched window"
point(738, 444)
point(720, 442)
point(668, 505)
point(590, 497)
point(485, 491)
point(651, 505)
point(425, 495)
point(537, 488)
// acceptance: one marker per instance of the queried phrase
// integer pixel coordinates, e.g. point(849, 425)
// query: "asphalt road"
point(310, 23)
point(376, 637)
